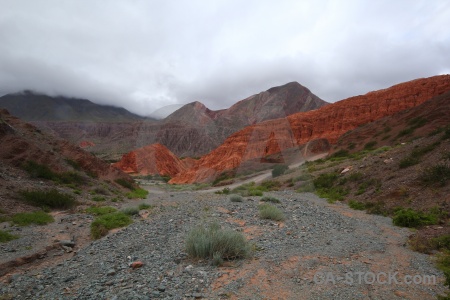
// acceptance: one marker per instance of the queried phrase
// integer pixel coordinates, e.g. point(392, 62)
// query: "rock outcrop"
point(328, 122)
point(151, 160)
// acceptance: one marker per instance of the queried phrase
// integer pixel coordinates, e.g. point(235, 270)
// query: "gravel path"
point(315, 239)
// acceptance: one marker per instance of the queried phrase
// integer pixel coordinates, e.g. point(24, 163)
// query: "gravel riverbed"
point(308, 256)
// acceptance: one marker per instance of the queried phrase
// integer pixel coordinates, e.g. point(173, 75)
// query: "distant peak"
point(289, 85)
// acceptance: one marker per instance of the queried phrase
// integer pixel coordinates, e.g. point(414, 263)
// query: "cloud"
point(145, 55)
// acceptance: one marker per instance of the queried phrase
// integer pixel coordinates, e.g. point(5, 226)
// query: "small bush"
point(125, 183)
point(98, 198)
point(326, 180)
point(38, 171)
point(144, 206)
point(408, 162)
point(356, 205)
point(340, 153)
point(100, 211)
point(236, 198)
point(101, 225)
point(370, 145)
point(69, 178)
point(267, 211)
point(436, 174)
point(52, 199)
point(269, 185)
point(216, 243)
point(279, 170)
point(249, 189)
point(411, 218)
point(6, 236)
point(73, 164)
point(270, 199)
point(332, 194)
point(131, 211)
point(357, 176)
point(38, 218)
point(137, 194)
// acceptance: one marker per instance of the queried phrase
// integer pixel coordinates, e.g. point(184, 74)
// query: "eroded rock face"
point(328, 122)
point(151, 160)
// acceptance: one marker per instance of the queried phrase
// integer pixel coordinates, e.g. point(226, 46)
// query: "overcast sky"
point(144, 55)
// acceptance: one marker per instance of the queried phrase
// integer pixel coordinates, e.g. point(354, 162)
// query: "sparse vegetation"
point(144, 206)
point(217, 244)
point(131, 211)
point(249, 189)
point(100, 210)
point(270, 199)
point(5, 236)
point(279, 170)
point(98, 198)
point(125, 183)
point(224, 191)
point(52, 199)
point(267, 211)
point(37, 217)
point(370, 145)
point(101, 225)
point(36, 170)
point(439, 174)
point(224, 176)
point(416, 155)
point(138, 193)
point(236, 198)
point(356, 205)
point(411, 218)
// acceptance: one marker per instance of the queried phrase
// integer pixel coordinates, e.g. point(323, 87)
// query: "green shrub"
point(356, 205)
point(38, 171)
point(101, 210)
point(137, 194)
point(98, 198)
point(101, 225)
point(267, 211)
point(370, 145)
point(332, 194)
point(441, 243)
point(279, 170)
point(249, 189)
point(6, 236)
point(131, 211)
point(38, 218)
point(417, 122)
point(227, 175)
point(411, 218)
point(325, 180)
point(436, 174)
point(269, 185)
point(52, 199)
point(216, 243)
point(236, 198)
point(125, 183)
point(270, 199)
point(144, 206)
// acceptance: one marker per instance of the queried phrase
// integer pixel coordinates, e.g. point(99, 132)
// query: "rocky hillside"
point(33, 160)
point(329, 122)
point(192, 130)
point(152, 159)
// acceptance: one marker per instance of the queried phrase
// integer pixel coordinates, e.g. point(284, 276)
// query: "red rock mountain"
point(152, 159)
point(329, 122)
point(193, 130)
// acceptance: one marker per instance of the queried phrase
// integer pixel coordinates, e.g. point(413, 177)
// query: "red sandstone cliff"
point(151, 159)
point(328, 122)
